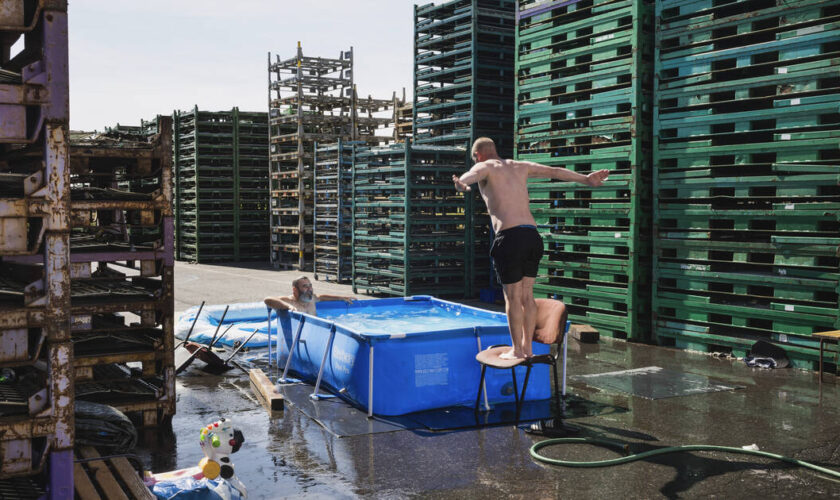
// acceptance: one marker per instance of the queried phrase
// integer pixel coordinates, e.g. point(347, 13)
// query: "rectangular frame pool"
point(404, 371)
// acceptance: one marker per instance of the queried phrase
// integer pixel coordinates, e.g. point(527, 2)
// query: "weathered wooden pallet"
point(113, 478)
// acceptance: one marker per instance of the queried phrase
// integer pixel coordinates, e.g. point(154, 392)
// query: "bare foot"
point(512, 354)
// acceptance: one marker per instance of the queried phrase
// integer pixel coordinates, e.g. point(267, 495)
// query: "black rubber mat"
point(343, 419)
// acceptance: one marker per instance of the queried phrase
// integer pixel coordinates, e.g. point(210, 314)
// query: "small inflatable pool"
point(242, 318)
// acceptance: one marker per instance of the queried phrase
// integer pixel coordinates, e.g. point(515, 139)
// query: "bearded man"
point(302, 299)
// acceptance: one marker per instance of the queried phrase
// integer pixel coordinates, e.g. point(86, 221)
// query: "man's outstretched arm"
point(279, 303)
point(474, 175)
point(327, 298)
point(594, 179)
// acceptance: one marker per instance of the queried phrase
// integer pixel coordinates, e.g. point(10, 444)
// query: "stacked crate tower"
point(332, 217)
point(221, 186)
point(332, 220)
point(747, 179)
point(122, 256)
point(36, 422)
point(584, 81)
point(309, 101)
point(463, 89)
point(408, 223)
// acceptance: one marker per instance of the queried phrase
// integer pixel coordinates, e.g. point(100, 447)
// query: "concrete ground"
point(286, 455)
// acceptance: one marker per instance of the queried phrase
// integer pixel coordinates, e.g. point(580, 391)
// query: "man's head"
point(483, 149)
point(302, 289)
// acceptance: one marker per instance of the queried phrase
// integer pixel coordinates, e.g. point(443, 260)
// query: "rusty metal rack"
point(221, 186)
point(121, 261)
point(36, 393)
point(403, 120)
point(747, 175)
point(409, 223)
point(311, 99)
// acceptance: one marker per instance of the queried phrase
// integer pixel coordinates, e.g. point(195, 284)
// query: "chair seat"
point(547, 359)
point(490, 357)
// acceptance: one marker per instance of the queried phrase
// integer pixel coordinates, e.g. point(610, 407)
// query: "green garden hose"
point(661, 451)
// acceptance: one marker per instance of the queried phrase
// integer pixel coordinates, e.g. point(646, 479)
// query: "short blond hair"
point(483, 145)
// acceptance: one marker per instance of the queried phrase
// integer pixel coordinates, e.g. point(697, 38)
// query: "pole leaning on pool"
point(268, 308)
point(283, 378)
point(370, 383)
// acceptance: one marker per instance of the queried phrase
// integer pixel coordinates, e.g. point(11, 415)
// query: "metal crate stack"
point(308, 102)
point(463, 89)
point(221, 186)
point(36, 379)
point(311, 99)
point(746, 187)
point(584, 78)
point(251, 187)
point(332, 218)
point(122, 257)
point(409, 226)
point(403, 120)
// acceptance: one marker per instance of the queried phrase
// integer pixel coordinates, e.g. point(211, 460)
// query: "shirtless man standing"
point(518, 247)
point(303, 298)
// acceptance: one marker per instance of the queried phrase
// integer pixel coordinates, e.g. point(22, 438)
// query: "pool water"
point(407, 318)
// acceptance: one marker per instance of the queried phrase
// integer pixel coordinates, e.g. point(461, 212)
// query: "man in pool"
point(302, 299)
point(518, 247)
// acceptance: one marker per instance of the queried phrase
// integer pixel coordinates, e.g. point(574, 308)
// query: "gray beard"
point(306, 298)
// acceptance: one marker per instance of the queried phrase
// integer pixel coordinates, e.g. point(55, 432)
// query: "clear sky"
point(133, 60)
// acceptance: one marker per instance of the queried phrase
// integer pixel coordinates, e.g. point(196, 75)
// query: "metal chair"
point(490, 357)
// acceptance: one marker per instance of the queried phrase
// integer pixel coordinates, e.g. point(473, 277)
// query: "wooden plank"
point(584, 333)
point(131, 479)
point(84, 487)
point(103, 475)
point(266, 390)
point(834, 335)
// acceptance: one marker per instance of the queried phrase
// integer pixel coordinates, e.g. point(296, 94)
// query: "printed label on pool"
point(431, 369)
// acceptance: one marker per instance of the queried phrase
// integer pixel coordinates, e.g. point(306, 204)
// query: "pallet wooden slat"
point(98, 474)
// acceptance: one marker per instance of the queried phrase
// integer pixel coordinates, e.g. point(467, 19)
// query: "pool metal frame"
point(283, 379)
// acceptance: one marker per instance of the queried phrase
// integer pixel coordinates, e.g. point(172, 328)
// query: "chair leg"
point(515, 389)
point(480, 385)
point(821, 360)
point(556, 386)
point(522, 397)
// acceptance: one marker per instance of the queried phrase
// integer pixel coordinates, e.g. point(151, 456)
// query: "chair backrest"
point(555, 332)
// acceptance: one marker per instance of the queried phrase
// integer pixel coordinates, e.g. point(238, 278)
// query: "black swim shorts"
point(516, 253)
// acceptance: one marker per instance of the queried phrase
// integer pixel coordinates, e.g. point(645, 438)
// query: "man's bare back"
point(504, 187)
point(505, 191)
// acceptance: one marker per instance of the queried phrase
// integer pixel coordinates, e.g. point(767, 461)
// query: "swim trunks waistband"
point(521, 226)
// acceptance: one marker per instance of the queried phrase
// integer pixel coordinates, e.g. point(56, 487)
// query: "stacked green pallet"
point(251, 187)
point(463, 81)
point(409, 227)
point(584, 82)
point(747, 184)
point(221, 185)
point(333, 214)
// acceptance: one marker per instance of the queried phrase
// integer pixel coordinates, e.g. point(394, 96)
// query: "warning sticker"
point(431, 369)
